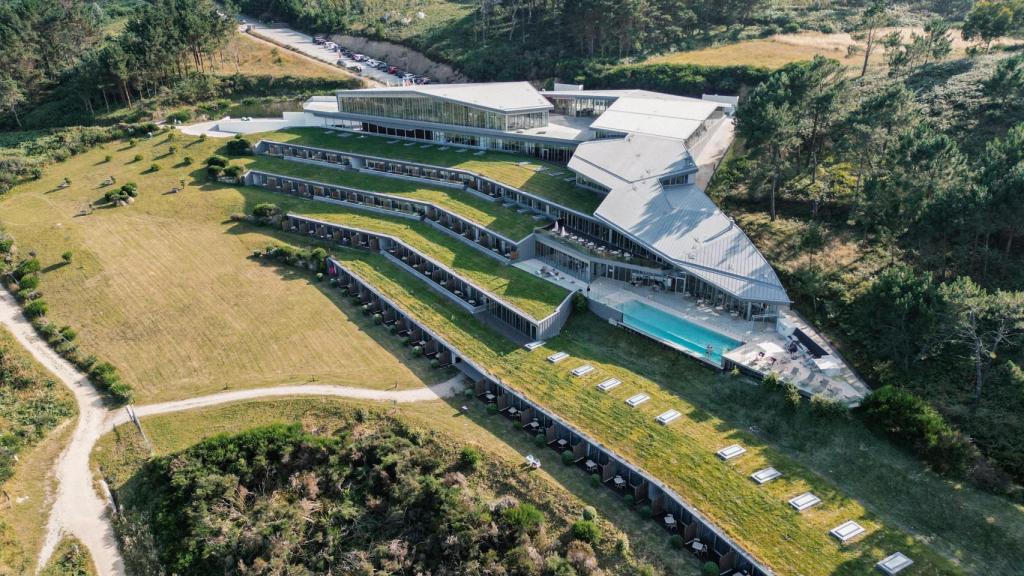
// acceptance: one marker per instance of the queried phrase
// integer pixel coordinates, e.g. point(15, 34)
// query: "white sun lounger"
point(583, 370)
point(608, 384)
point(668, 416)
point(557, 357)
point(730, 452)
point(804, 501)
point(765, 475)
point(894, 563)
point(847, 531)
point(531, 346)
point(637, 400)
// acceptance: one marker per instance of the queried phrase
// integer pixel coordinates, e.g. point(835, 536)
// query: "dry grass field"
point(781, 49)
point(245, 54)
point(164, 291)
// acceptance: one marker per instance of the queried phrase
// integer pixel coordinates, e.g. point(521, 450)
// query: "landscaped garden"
point(682, 454)
point(527, 174)
point(490, 215)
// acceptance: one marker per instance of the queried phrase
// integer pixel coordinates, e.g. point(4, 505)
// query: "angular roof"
point(495, 96)
point(654, 114)
point(680, 223)
point(636, 157)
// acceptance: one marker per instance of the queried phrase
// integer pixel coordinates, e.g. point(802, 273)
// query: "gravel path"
point(78, 509)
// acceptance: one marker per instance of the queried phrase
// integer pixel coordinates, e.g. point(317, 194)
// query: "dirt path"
point(77, 509)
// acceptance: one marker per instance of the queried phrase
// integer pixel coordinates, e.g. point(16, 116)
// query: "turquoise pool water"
point(676, 331)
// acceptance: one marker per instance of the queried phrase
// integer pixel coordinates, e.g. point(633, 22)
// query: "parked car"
point(330, 45)
point(358, 57)
point(354, 68)
point(397, 72)
point(392, 69)
point(319, 39)
point(408, 76)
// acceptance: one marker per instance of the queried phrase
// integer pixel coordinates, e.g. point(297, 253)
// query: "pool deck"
point(843, 386)
point(537, 267)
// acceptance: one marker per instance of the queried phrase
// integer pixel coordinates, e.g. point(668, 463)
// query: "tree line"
point(934, 199)
point(60, 51)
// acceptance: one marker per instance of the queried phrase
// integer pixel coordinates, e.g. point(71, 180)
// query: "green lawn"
point(499, 166)
point(533, 295)
point(491, 215)
point(682, 454)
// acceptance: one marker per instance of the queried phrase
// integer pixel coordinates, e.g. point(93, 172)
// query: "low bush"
point(137, 158)
point(711, 568)
point(29, 282)
point(644, 511)
point(492, 409)
point(540, 440)
point(234, 171)
point(470, 458)
point(676, 541)
point(567, 458)
point(595, 480)
point(217, 160)
point(586, 531)
point(589, 513)
point(154, 167)
point(911, 422)
point(35, 309)
point(238, 146)
point(628, 500)
point(523, 518)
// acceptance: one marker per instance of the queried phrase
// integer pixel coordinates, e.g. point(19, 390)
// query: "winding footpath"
point(77, 509)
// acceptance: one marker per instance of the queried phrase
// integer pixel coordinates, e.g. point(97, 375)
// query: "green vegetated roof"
point(491, 215)
point(533, 295)
point(682, 454)
point(516, 171)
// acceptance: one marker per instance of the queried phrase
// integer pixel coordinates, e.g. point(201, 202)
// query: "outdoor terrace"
point(680, 454)
point(534, 296)
point(487, 214)
point(543, 179)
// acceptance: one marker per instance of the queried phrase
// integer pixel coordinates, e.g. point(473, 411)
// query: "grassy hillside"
point(162, 289)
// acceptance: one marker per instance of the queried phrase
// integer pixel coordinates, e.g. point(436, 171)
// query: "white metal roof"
point(635, 157)
point(497, 96)
point(680, 223)
point(654, 114)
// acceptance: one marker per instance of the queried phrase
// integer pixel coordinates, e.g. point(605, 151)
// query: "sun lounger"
point(668, 416)
point(847, 531)
point(557, 357)
point(531, 346)
point(637, 400)
point(894, 563)
point(804, 501)
point(583, 370)
point(730, 452)
point(608, 384)
point(765, 475)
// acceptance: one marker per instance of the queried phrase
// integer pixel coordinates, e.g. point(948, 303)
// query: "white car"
point(330, 45)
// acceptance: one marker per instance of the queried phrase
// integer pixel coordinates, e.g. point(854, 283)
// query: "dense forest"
point(373, 497)
point(902, 193)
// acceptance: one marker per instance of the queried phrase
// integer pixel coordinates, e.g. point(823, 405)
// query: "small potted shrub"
point(540, 440)
point(434, 363)
point(417, 351)
point(676, 541)
point(492, 409)
point(628, 500)
point(378, 318)
point(567, 458)
point(595, 480)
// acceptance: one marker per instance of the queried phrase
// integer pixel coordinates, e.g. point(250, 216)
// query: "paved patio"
point(761, 341)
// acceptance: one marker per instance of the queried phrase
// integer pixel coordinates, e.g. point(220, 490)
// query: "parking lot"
point(304, 44)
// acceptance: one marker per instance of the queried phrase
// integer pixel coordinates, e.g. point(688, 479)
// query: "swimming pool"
point(676, 332)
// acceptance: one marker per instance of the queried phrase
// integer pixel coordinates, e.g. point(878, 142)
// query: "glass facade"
point(590, 184)
point(438, 111)
point(580, 106)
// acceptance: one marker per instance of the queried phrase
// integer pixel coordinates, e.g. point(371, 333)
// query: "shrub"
point(467, 393)
point(394, 329)
point(29, 266)
point(711, 568)
point(68, 333)
point(434, 363)
point(825, 407)
point(35, 309)
point(178, 116)
point(595, 480)
point(265, 210)
point(417, 351)
point(586, 531)
point(108, 158)
point(540, 440)
point(154, 167)
point(628, 500)
point(589, 512)
point(676, 541)
point(67, 256)
point(234, 171)
point(579, 302)
point(492, 409)
point(172, 149)
point(914, 424)
point(470, 458)
point(137, 158)
point(214, 171)
point(130, 189)
point(29, 282)
point(217, 160)
point(567, 458)
point(523, 518)
point(121, 392)
point(377, 318)
point(645, 511)
point(237, 146)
